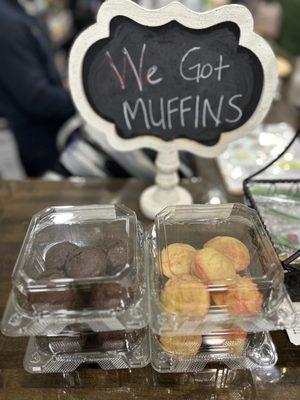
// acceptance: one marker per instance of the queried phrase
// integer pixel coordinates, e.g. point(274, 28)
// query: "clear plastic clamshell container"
point(235, 349)
point(82, 265)
point(67, 351)
point(212, 267)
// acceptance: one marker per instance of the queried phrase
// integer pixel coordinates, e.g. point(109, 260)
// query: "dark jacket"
point(32, 98)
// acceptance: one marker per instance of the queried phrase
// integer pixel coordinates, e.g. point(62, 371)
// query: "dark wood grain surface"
point(18, 201)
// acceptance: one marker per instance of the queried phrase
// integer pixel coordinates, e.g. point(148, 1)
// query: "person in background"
point(83, 13)
point(32, 96)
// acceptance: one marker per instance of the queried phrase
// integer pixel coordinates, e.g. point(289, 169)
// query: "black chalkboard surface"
point(172, 81)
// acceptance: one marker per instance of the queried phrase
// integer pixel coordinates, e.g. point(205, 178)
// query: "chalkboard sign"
point(172, 81)
point(149, 78)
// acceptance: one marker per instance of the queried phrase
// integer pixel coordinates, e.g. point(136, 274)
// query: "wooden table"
point(18, 201)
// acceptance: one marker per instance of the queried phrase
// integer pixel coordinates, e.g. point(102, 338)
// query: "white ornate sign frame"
point(237, 14)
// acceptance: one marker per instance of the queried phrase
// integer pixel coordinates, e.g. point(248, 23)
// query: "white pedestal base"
point(154, 199)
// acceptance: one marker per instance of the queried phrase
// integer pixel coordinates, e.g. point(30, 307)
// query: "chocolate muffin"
point(112, 238)
point(117, 340)
point(86, 262)
point(58, 254)
point(48, 275)
point(111, 341)
point(61, 344)
point(33, 268)
point(54, 300)
point(109, 295)
point(117, 257)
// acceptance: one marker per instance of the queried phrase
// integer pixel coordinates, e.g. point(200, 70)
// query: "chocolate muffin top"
point(58, 299)
point(111, 239)
point(86, 262)
point(58, 254)
point(117, 257)
point(109, 295)
point(51, 274)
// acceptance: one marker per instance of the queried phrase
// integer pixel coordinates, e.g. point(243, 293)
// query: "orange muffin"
point(219, 298)
point(233, 248)
point(213, 267)
point(176, 259)
point(235, 341)
point(231, 341)
point(184, 346)
point(185, 295)
point(242, 298)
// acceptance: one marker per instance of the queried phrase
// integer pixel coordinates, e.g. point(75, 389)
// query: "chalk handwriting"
point(203, 71)
point(137, 72)
point(204, 112)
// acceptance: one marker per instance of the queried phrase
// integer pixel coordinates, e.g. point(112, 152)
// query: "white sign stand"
point(166, 191)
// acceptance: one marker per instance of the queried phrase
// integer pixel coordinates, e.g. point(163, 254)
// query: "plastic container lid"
point(214, 267)
point(79, 265)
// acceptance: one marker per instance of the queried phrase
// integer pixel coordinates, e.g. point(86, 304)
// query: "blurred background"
point(41, 135)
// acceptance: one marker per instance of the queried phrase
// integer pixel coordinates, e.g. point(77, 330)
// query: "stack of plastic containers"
point(216, 289)
point(79, 290)
point(87, 287)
